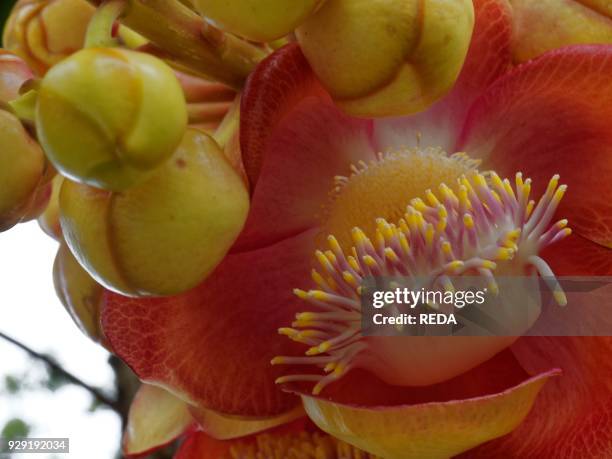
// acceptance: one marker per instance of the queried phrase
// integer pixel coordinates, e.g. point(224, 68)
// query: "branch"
point(51, 363)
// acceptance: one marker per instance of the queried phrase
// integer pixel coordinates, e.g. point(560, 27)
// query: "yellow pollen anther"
point(358, 236)
point(317, 278)
point(497, 182)
point(559, 193)
point(455, 265)
point(429, 235)
point(329, 367)
point(305, 316)
point(316, 390)
point(287, 331)
point(463, 198)
point(560, 297)
point(350, 279)
point(418, 204)
point(468, 221)
point(319, 295)
point(488, 264)
point(322, 259)
point(369, 261)
point(504, 254)
point(339, 370)
point(433, 200)
point(352, 261)
point(313, 351)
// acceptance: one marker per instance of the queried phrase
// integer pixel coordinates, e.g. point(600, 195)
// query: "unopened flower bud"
point(387, 57)
point(79, 293)
point(258, 20)
point(43, 32)
point(107, 117)
point(164, 235)
point(544, 25)
point(22, 167)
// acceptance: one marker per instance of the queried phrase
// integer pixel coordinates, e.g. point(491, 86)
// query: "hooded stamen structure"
point(486, 228)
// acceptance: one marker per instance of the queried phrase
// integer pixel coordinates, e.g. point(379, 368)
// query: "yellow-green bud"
point(79, 293)
point(107, 117)
point(164, 235)
point(43, 32)
point(387, 57)
point(22, 165)
point(258, 20)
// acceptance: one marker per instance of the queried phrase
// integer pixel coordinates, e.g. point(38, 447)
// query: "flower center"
point(485, 228)
point(303, 445)
point(382, 188)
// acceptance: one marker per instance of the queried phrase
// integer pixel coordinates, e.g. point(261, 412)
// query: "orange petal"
point(156, 419)
point(551, 116)
point(572, 417)
point(294, 141)
point(432, 430)
point(577, 256)
point(202, 446)
point(199, 445)
point(213, 345)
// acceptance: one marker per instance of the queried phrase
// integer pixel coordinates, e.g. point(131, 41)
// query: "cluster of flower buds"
point(113, 151)
point(24, 173)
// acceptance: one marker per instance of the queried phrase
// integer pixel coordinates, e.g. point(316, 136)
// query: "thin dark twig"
point(50, 362)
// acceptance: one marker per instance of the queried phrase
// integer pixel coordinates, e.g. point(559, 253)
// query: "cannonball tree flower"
point(302, 156)
point(43, 32)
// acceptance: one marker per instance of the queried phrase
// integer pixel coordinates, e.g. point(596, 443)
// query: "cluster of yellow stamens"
point(485, 227)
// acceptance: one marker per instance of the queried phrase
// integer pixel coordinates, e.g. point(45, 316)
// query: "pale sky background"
point(31, 313)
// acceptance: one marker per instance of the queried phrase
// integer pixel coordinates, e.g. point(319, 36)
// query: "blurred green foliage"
point(15, 428)
point(5, 9)
point(12, 384)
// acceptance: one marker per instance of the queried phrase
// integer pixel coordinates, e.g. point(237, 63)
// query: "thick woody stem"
point(184, 39)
